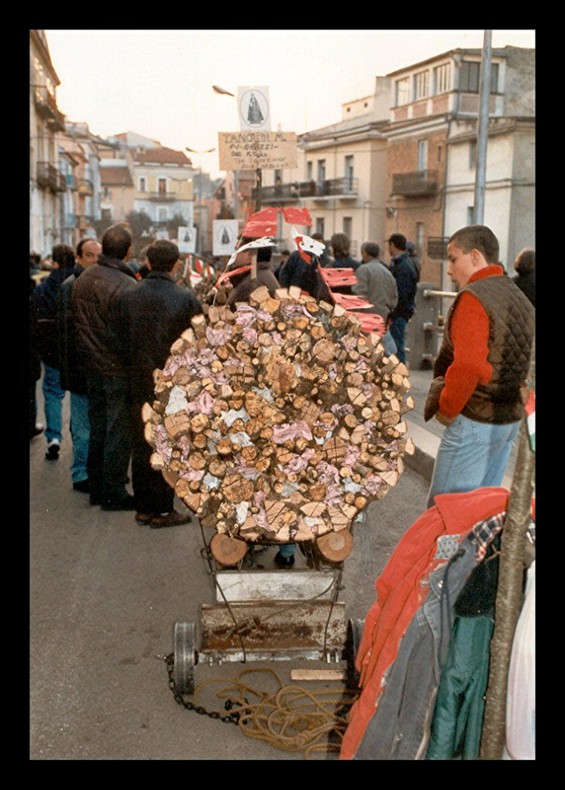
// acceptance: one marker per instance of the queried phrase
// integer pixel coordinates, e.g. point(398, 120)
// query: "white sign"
point(186, 239)
point(250, 150)
point(253, 107)
point(225, 236)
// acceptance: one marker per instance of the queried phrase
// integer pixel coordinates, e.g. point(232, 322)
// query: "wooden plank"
point(318, 674)
point(287, 585)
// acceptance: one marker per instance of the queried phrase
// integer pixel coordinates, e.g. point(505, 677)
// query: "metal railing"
point(416, 184)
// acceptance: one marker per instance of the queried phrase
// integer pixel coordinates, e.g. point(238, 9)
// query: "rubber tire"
point(184, 657)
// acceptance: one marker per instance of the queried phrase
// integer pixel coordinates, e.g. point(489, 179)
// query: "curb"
point(426, 446)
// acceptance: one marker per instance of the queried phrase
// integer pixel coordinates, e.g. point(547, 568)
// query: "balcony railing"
point(161, 197)
point(49, 177)
point(418, 184)
point(437, 247)
point(46, 106)
point(280, 193)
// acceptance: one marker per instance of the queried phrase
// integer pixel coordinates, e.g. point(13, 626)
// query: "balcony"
point(288, 193)
point(159, 197)
point(46, 106)
point(347, 187)
point(437, 247)
point(85, 187)
point(422, 183)
point(49, 177)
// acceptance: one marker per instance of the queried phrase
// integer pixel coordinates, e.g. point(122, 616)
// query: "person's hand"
point(443, 419)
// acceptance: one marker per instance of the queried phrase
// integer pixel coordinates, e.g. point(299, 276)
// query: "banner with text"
point(252, 150)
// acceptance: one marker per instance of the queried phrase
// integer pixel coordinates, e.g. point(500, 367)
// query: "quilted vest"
point(511, 330)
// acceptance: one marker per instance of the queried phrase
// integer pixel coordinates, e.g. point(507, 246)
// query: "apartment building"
point(432, 152)
point(46, 181)
point(341, 174)
point(414, 173)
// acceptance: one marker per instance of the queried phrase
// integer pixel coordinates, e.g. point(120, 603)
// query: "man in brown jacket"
point(109, 411)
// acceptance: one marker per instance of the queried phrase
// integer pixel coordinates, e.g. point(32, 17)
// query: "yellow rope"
point(292, 718)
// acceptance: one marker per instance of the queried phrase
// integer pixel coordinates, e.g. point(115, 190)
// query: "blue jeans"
point(471, 455)
point(389, 343)
point(53, 403)
point(110, 445)
point(80, 432)
point(398, 330)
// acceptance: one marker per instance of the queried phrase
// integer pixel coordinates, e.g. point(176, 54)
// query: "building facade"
point(47, 182)
point(341, 174)
point(432, 152)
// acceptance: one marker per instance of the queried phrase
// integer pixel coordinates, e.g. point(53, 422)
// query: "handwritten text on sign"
point(250, 150)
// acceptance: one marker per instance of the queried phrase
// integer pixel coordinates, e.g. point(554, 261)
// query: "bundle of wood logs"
point(279, 421)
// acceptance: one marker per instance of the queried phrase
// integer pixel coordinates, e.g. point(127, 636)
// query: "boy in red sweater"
point(484, 361)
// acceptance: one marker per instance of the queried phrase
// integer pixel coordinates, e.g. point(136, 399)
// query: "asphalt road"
point(105, 594)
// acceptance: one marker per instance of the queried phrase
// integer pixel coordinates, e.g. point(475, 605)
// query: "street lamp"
point(200, 153)
point(217, 89)
point(224, 92)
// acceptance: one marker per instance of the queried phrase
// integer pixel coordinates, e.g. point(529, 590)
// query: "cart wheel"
point(184, 657)
point(353, 640)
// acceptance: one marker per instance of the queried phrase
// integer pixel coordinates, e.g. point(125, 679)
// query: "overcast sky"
point(159, 82)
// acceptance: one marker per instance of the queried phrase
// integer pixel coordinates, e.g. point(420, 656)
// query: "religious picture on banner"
point(186, 239)
point(254, 113)
point(225, 236)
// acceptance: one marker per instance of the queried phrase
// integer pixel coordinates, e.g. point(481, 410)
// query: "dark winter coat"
point(34, 358)
point(44, 301)
point(143, 324)
point(70, 375)
point(527, 284)
point(406, 276)
point(244, 286)
point(92, 295)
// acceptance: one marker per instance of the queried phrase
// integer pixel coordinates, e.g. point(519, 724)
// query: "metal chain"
point(230, 718)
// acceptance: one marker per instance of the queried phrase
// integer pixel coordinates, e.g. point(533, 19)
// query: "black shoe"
point(83, 486)
point(126, 502)
point(172, 519)
point(283, 562)
point(36, 431)
point(52, 453)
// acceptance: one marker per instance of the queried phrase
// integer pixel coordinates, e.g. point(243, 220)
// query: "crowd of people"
point(98, 330)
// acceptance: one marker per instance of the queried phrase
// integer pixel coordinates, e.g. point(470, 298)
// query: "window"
point(309, 171)
point(421, 85)
point(162, 214)
point(347, 226)
point(419, 237)
point(321, 173)
point(422, 154)
point(142, 184)
point(348, 172)
point(402, 91)
point(162, 186)
point(470, 77)
point(442, 78)
point(439, 153)
point(472, 154)
point(320, 222)
point(470, 215)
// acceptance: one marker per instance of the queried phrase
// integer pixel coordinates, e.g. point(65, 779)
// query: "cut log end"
point(335, 546)
point(227, 550)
